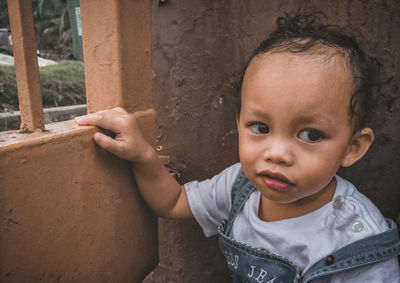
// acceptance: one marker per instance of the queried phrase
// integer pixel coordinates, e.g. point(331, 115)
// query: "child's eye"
point(310, 135)
point(259, 128)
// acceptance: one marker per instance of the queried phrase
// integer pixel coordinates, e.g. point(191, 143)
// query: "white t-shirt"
point(304, 240)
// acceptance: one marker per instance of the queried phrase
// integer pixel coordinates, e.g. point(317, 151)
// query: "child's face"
point(294, 126)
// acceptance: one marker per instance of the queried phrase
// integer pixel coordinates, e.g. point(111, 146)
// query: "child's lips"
point(275, 180)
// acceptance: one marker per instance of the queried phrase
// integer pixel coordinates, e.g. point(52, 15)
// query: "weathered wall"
point(69, 212)
point(200, 47)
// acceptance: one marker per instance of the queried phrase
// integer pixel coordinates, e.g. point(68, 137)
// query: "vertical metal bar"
point(26, 64)
point(117, 54)
point(101, 56)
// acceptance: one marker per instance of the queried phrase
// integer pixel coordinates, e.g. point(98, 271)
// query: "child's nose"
point(278, 151)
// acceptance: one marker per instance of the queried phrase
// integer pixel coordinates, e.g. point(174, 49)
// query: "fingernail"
point(78, 119)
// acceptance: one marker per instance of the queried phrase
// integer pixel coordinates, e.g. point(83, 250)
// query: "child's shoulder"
point(358, 209)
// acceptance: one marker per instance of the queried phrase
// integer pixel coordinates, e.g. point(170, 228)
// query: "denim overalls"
point(250, 264)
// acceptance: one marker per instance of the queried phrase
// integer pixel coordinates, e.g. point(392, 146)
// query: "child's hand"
point(128, 143)
point(161, 191)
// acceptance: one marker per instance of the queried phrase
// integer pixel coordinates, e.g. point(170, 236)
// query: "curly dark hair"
point(304, 34)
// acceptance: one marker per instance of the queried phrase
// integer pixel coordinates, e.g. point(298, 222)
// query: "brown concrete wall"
point(199, 48)
point(69, 212)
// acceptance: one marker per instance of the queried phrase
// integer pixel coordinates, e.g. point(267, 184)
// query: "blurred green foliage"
point(52, 26)
point(61, 84)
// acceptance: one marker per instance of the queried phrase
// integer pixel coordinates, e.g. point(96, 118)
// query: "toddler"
point(282, 214)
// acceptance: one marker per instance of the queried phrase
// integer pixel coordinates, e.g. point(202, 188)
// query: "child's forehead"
point(300, 82)
point(306, 68)
point(321, 59)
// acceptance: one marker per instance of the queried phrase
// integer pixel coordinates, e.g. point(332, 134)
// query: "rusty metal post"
point(117, 54)
point(26, 64)
point(116, 39)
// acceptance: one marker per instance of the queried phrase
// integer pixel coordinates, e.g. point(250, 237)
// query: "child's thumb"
point(105, 142)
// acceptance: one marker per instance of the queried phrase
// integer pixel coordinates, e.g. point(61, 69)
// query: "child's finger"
point(81, 121)
point(105, 142)
point(106, 119)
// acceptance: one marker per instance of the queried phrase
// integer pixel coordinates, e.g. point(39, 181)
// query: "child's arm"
point(159, 189)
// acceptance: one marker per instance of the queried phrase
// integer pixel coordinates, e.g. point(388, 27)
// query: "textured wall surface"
point(200, 48)
point(69, 211)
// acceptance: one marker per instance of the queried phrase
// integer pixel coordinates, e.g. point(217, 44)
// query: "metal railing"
point(26, 65)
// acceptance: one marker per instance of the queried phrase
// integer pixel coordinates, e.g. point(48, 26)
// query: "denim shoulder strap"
point(372, 249)
point(241, 190)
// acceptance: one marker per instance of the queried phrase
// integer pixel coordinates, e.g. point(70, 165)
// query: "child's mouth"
point(275, 181)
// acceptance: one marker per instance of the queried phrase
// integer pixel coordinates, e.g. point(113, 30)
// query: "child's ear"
point(358, 146)
point(237, 119)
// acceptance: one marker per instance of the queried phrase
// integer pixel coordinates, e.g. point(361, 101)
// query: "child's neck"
point(273, 211)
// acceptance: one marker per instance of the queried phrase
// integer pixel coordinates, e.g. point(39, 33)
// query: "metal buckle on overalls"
point(221, 226)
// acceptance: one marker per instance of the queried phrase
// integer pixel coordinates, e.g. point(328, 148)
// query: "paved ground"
point(9, 61)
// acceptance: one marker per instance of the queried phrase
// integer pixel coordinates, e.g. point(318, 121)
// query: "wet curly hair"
point(304, 34)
